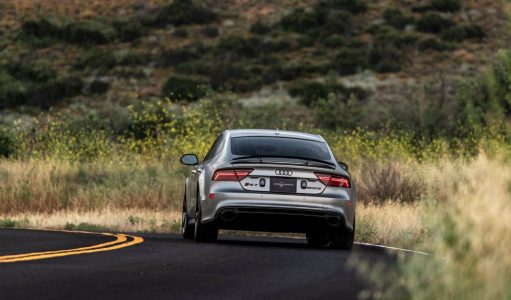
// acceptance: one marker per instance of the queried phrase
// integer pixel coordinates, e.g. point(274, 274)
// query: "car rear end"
point(278, 182)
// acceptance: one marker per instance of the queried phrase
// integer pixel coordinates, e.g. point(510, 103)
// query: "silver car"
point(265, 180)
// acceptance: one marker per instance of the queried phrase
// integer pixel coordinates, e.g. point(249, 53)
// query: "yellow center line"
point(118, 243)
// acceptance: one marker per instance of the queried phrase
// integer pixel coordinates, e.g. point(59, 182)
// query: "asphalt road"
point(168, 267)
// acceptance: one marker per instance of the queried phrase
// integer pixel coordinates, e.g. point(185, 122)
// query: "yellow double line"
point(121, 241)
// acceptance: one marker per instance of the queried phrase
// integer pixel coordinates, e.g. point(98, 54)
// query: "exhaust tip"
point(333, 221)
point(229, 215)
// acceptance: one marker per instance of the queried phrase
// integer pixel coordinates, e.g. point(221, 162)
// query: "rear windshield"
point(278, 146)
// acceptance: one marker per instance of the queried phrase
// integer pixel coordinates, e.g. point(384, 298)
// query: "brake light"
point(231, 174)
point(334, 180)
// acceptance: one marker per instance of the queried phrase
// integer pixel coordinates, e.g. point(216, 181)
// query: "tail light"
point(334, 180)
point(231, 174)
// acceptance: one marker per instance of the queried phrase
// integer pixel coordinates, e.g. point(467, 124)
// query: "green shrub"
point(338, 112)
point(353, 6)
point(236, 47)
point(463, 32)
point(310, 92)
point(180, 33)
point(40, 28)
point(260, 27)
point(12, 94)
point(185, 12)
point(25, 69)
point(396, 19)
point(431, 43)
point(210, 31)
point(385, 53)
point(39, 32)
point(174, 57)
point(89, 32)
point(184, 88)
point(132, 58)
point(51, 93)
point(97, 59)
point(438, 5)
point(421, 8)
point(350, 61)
point(334, 41)
point(338, 21)
point(129, 29)
point(446, 5)
point(299, 21)
point(433, 22)
point(7, 223)
point(98, 86)
point(6, 143)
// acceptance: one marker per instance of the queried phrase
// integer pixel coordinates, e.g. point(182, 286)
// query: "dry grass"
point(47, 186)
point(111, 219)
point(385, 180)
point(468, 221)
point(392, 224)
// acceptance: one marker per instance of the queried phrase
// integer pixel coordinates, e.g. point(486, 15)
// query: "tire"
point(187, 230)
point(342, 238)
point(204, 233)
point(317, 239)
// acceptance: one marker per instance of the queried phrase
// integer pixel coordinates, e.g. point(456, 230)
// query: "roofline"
point(270, 132)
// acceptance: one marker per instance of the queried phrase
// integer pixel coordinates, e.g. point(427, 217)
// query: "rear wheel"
point(204, 232)
point(342, 238)
point(317, 239)
point(187, 230)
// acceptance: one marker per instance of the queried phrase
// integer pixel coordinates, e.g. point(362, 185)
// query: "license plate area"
point(282, 185)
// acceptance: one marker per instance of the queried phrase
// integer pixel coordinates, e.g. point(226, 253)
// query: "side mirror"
point(189, 159)
point(343, 165)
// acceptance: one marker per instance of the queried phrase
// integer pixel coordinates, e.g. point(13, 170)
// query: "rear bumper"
point(279, 212)
point(277, 219)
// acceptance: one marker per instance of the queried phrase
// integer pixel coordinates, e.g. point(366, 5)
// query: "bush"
point(210, 31)
point(185, 12)
point(311, 92)
point(433, 22)
point(96, 59)
point(380, 182)
point(174, 57)
point(463, 32)
point(353, 6)
point(334, 41)
point(260, 27)
point(129, 29)
point(431, 43)
point(222, 75)
point(299, 21)
point(338, 112)
point(24, 69)
point(12, 94)
point(235, 47)
point(98, 86)
point(350, 61)
point(40, 32)
point(385, 54)
point(50, 93)
point(6, 143)
point(184, 88)
point(338, 21)
point(438, 5)
point(446, 5)
point(396, 19)
point(89, 32)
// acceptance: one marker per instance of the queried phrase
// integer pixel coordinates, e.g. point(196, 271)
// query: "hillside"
point(82, 55)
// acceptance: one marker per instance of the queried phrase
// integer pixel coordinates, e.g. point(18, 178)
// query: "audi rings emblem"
point(283, 172)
